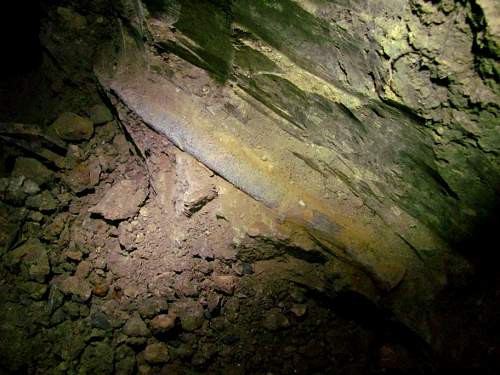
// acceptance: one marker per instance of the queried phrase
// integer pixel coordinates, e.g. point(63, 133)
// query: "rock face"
point(362, 127)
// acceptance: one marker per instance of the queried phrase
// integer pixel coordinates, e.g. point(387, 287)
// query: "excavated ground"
point(129, 256)
point(117, 263)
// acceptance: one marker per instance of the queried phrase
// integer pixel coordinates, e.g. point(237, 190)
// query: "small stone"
point(71, 18)
point(99, 320)
point(34, 290)
point(100, 290)
point(135, 327)
point(100, 114)
point(44, 202)
point(275, 320)
point(74, 255)
point(83, 176)
point(124, 360)
point(97, 359)
point(32, 256)
point(299, 310)
point(30, 187)
point(191, 315)
point(33, 170)
point(225, 283)
point(163, 323)
point(156, 353)
point(121, 201)
point(71, 127)
point(54, 229)
point(75, 286)
point(36, 216)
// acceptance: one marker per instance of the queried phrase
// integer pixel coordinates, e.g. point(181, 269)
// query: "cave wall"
point(406, 93)
point(373, 124)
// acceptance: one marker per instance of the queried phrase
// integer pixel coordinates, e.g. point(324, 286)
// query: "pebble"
point(100, 290)
point(225, 283)
point(33, 170)
point(163, 323)
point(299, 310)
point(275, 320)
point(156, 353)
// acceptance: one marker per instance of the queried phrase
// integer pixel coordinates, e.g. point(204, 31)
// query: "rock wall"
point(373, 124)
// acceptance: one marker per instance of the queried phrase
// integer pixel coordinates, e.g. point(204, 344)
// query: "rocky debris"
point(156, 353)
point(206, 351)
point(121, 201)
point(124, 360)
point(72, 127)
point(32, 258)
point(56, 226)
point(135, 327)
point(275, 320)
point(73, 255)
point(225, 283)
point(33, 170)
point(163, 323)
point(83, 176)
point(11, 190)
point(44, 202)
point(30, 187)
point(100, 114)
point(97, 358)
point(127, 236)
point(71, 18)
point(34, 290)
point(190, 313)
point(74, 286)
point(100, 289)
